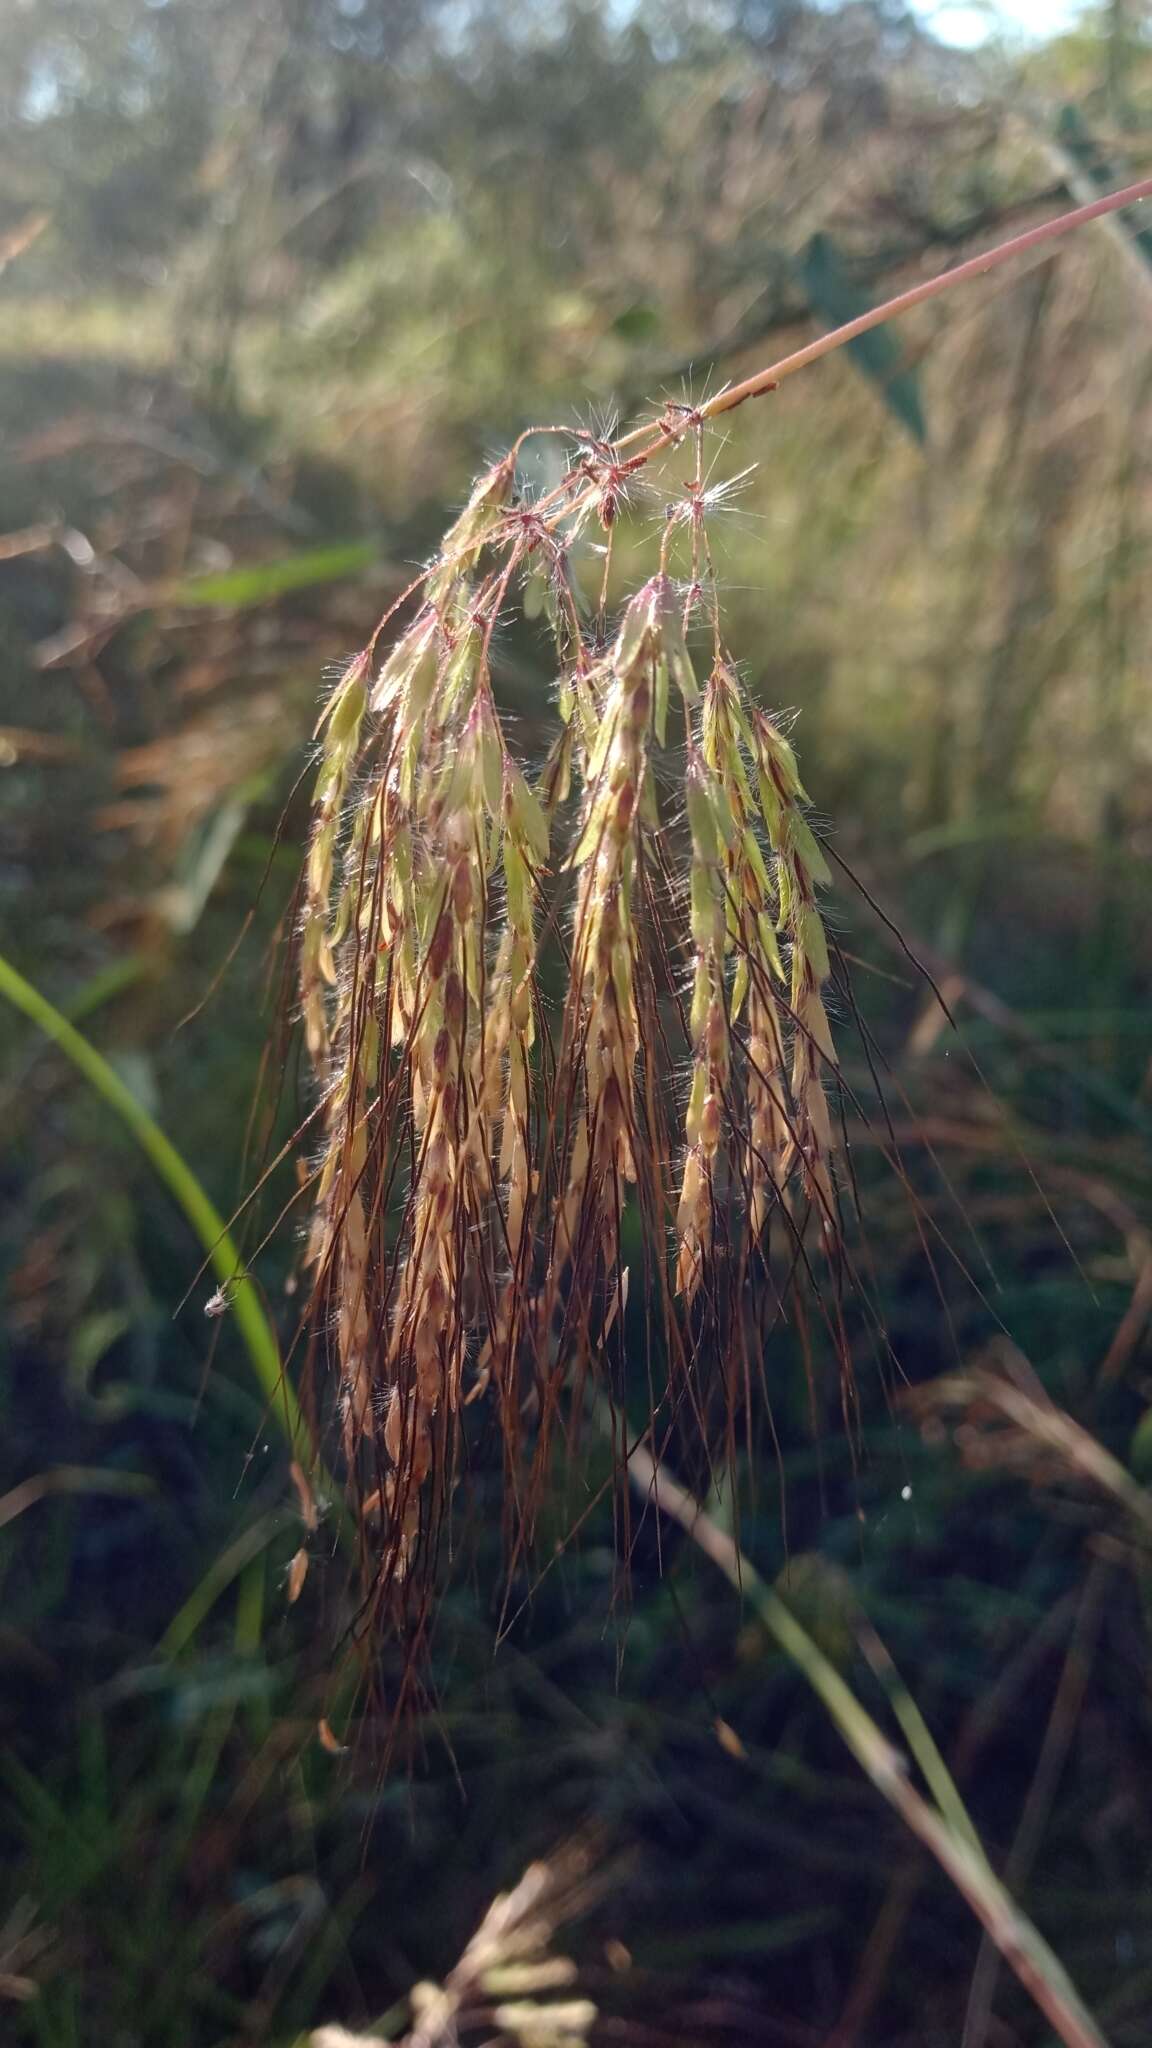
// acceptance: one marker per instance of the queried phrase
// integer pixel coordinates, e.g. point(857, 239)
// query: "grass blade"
point(958, 1853)
point(262, 582)
point(251, 1321)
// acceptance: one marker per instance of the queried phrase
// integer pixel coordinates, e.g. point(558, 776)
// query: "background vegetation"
point(279, 275)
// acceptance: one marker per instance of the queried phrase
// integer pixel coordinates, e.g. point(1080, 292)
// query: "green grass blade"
point(222, 1573)
point(255, 1329)
point(261, 582)
point(919, 1738)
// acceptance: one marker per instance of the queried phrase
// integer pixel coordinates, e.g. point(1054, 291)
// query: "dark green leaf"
point(638, 322)
point(1088, 157)
point(832, 293)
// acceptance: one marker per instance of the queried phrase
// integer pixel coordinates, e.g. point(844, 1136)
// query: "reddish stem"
point(976, 266)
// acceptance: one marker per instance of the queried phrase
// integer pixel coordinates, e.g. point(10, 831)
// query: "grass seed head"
point(475, 1173)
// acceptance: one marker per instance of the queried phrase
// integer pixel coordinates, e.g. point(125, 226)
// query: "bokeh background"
point(276, 278)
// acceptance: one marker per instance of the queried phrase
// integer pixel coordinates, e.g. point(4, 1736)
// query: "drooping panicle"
point(477, 1161)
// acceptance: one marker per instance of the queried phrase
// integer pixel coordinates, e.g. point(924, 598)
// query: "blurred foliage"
point(305, 264)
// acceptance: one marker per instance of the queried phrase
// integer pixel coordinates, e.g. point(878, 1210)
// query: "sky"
point(967, 26)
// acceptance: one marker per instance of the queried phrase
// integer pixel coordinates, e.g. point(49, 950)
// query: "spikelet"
point(712, 831)
point(510, 1029)
point(800, 869)
point(339, 734)
point(619, 809)
point(751, 937)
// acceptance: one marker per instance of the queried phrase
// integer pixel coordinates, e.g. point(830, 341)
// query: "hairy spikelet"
point(712, 828)
point(604, 952)
point(800, 868)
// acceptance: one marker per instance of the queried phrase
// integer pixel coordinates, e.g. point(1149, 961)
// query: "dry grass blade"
point(1011, 1423)
point(62, 1479)
point(21, 237)
point(1062, 1724)
point(958, 1853)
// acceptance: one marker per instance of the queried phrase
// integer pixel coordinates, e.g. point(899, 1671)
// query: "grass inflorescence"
point(480, 1157)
